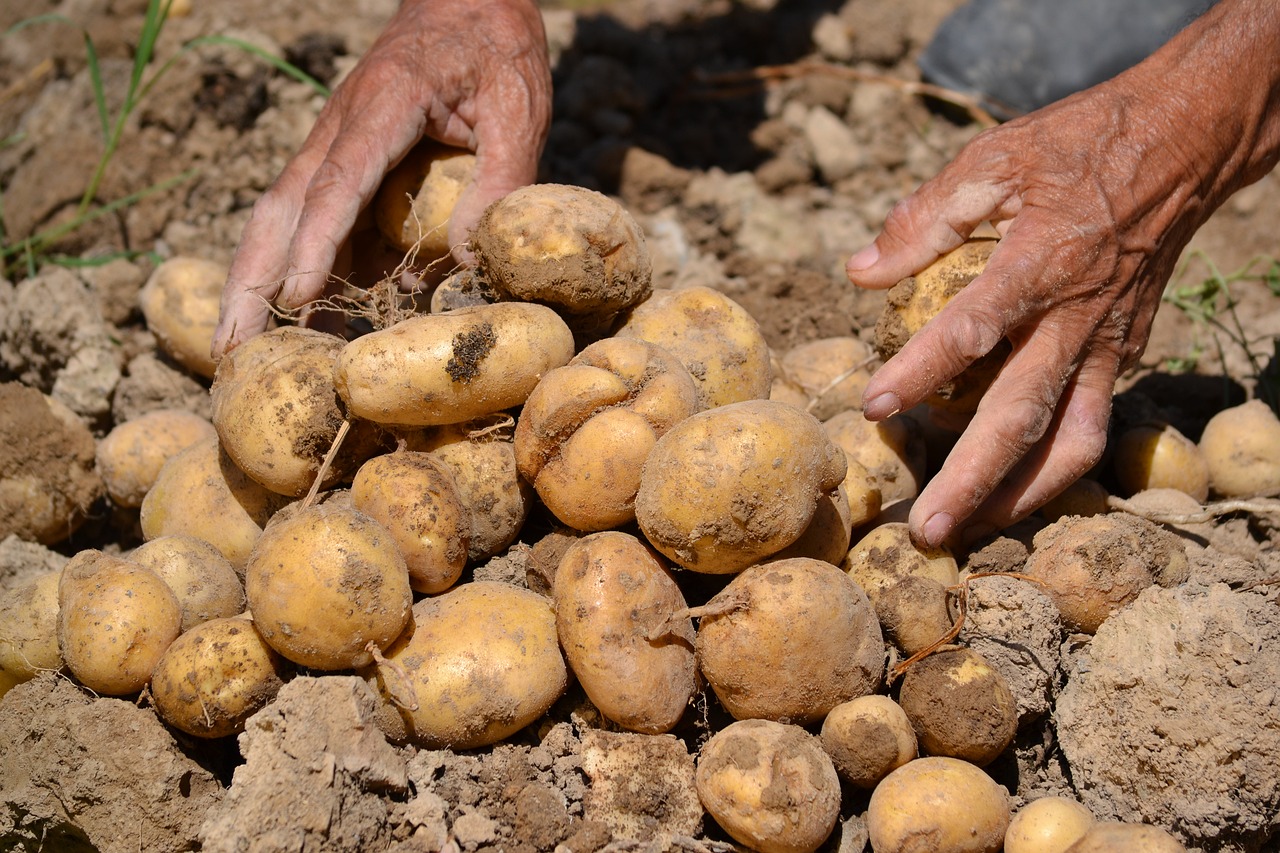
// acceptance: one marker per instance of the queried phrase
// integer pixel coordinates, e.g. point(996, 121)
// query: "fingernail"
point(938, 528)
point(863, 259)
point(881, 406)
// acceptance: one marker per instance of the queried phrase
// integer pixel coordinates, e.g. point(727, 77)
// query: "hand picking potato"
point(131, 455)
point(205, 582)
point(610, 592)
point(730, 486)
point(769, 785)
point(325, 582)
point(215, 676)
point(1242, 448)
point(587, 428)
point(892, 450)
point(960, 706)
point(454, 367)
point(829, 373)
point(115, 620)
point(29, 629)
point(789, 640)
point(180, 302)
point(415, 202)
point(938, 805)
point(868, 738)
point(1157, 456)
point(1047, 825)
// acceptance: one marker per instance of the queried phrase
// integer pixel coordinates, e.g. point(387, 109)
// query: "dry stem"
point(399, 687)
point(1262, 506)
point(327, 463)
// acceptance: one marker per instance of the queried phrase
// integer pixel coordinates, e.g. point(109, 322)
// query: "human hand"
point(469, 73)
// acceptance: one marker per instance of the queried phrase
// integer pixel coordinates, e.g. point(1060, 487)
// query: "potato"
point(715, 338)
point(891, 450)
point(1047, 825)
point(413, 206)
point(789, 640)
point(277, 413)
point(727, 487)
point(938, 805)
point(131, 455)
point(324, 583)
point(610, 592)
point(886, 555)
point(862, 491)
point(1114, 837)
point(205, 582)
point(454, 367)
point(180, 302)
point(215, 676)
point(769, 785)
point(868, 738)
point(115, 620)
point(29, 629)
point(827, 536)
point(570, 248)
point(1157, 456)
point(587, 428)
point(477, 664)
point(414, 497)
point(829, 373)
point(1083, 497)
point(914, 613)
point(201, 493)
point(8, 682)
point(960, 706)
point(1242, 448)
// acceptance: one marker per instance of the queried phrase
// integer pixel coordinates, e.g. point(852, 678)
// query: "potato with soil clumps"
point(29, 629)
point(324, 584)
point(617, 607)
point(413, 206)
point(728, 487)
point(587, 428)
point(131, 455)
point(180, 302)
point(938, 805)
point(960, 706)
point(1242, 447)
point(868, 738)
point(205, 582)
point(789, 640)
point(769, 785)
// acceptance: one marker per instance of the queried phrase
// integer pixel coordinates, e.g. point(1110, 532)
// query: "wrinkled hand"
point(469, 73)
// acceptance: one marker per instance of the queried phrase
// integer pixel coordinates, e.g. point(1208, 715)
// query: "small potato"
point(1157, 456)
point(477, 664)
point(862, 491)
point(454, 367)
point(415, 202)
point(205, 582)
point(789, 640)
point(830, 373)
point(914, 613)
point(29, 629)
point(715, 338)
point(461, 289)
point(730, 486)
point(868, 738)
point(1242, 448)
point(215, 676)
point(892, 450)
point(769, 785)
point(324, 583)
point(938, 805)
point(131, 455)
point(1047, 825)
point(827, 536)
point(886, 555)
point(611, 591)
point(1110, 837)
point(180, 303)
point(960, 706)
point(1083, 497)
point(115, 620)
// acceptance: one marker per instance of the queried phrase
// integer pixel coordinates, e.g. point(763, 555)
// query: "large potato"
point(205, 582)
point(180, 302)
point(610, 592)
point(29, 628)
point(131, 455)
point(730, 486)
point(452, 367)
point(415, 202)
point(938, 805)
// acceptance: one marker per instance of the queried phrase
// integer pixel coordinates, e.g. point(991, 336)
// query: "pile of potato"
point(327, 518)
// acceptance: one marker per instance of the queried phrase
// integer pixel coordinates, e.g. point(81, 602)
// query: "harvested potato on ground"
point(215, 676)
point(413, 206)
point(461, 289)
point(1157, 456)
point(1083, 497)
point(829, 373)
point(789, 640)
point(449, 368)
point(414, 497)
point(769, 785)
point(326, 582)
point(180, 303)
point(205, 582)
point(1047, 825)
point(115, 620)
point(1111, 837)
point(29, 629)
point(938, 805)
point(477, 664)
point(886, 555)
point(914, 613)
point(868, 738)
point(570, 248)
point(730, 486)
point(862, 491)
point(891, 450)
point(611, 594)
point(960, 706)
point(587, 428)
point(201, 493)
point(131, 455)
point(715, 338)
point(1242, 448)
point(827, 536)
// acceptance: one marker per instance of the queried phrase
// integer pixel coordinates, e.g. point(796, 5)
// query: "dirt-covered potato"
point(115, 620)
point(1158, 456)
point(790, 640)
point(205, 582)
point(938, 804)
point(960, 706)
point(914, 613)
point(611, 594)
point(130, 457)
point(180, 302)
point(215, 676)
point(29, 628)
point(477, 664)
point(453, 367)
point(827, 536)
point(829, 374)
point(1115, 837)
point(1242, 448)
point(868, 738)
point(587, 428)
point(892, 450)
point(1047, 825)
point(570, 248)
point(769, 785)
point(461, 289)
point(413, 495)
point(413, 206)
point(715, 338)
point(885, 555)
point(324, 583)
point(730, 486)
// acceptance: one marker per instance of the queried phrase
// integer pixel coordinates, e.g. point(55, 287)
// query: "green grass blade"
point(51, 18)
point(99, 90)
point(280, 64)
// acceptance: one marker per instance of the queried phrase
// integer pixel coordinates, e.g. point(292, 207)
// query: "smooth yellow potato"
point(1113, 837)
point(413, 205)
point(1047, 825)
point(1083, 497)
point(769, 785)
point(131, 455)
point(205, 582)
point(610, 592)
point(938, 805)
point(892, 450)
point(960, 706)
point(180, 302)
point(29, 628)
point(868, 738)
point(1242, 448)
point(453, 367)
point(831, 373)
point(862, 491)
point(1157, 456)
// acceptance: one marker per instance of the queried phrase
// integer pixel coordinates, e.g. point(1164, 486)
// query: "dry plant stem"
point(328, 461)
point(34, 77)
point(400, 687)
point(501, 422)
point(1262, 506)
point(831, 386)
point(729, 604)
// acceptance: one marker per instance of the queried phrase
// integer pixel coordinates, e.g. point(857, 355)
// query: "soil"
point(757, 144)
